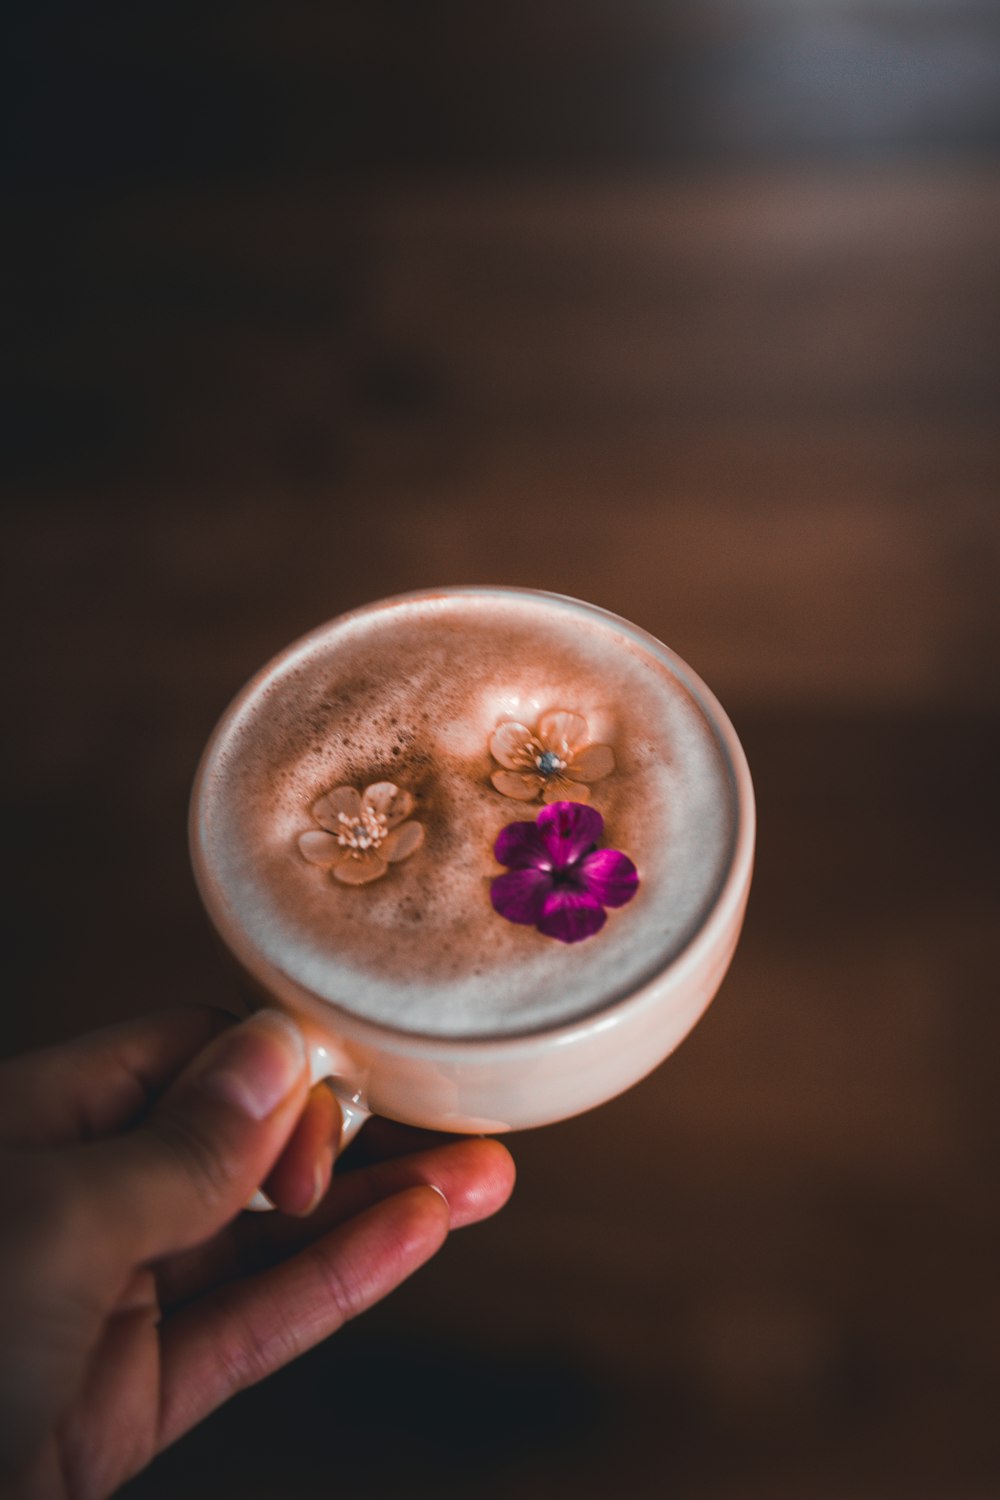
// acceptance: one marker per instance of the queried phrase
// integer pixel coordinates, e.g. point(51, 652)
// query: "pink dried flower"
point(361, 835)
point(555, 762)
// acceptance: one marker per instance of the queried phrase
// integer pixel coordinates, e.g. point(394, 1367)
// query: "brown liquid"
point(410, 693)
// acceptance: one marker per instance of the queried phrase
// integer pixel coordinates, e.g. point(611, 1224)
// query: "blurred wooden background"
point(689, 309)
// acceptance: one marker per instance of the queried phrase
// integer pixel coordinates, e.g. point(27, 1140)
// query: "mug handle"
point(328, 1066)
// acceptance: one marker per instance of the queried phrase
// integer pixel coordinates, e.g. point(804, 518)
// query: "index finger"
point(95, 1084)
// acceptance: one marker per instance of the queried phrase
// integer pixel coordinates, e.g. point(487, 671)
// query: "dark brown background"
point(689, 309)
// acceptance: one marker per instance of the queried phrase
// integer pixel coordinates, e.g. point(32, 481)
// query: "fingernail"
point(257, 1064)
point(321, 1181)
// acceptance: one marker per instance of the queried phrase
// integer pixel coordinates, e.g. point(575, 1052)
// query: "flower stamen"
point(549, 763)
point(362, 833)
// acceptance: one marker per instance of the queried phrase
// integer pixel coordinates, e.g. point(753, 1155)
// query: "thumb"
point(208, 1143)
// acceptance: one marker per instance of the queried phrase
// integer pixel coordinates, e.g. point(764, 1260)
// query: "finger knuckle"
point(345, 1287)
point(191, 1147)
point(256, 1346)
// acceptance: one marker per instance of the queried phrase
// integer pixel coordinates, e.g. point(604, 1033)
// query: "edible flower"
point(555, 762)
point(558, 880)
point(361, 834)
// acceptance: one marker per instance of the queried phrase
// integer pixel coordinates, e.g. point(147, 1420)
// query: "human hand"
point(135, 1297)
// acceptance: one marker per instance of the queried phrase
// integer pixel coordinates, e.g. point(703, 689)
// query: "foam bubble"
point(410, 693)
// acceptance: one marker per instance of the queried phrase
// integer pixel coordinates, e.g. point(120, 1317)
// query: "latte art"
point(351, 801)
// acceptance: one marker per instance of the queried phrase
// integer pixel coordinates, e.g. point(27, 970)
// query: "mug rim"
point(383, 1036)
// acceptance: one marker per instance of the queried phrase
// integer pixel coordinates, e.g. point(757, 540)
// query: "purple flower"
point(559, 881)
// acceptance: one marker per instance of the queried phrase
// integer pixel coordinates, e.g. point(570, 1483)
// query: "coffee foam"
point(410, 693)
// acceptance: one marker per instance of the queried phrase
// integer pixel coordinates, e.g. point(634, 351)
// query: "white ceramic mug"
point(505, 1082)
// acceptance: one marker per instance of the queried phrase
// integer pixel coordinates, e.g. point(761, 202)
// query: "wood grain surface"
point(721, 356)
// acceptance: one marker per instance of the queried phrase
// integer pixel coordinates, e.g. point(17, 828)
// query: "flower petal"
point(521, 846)
point(509, 745)
point(562, 731)
point(520, 895)
point(558, 789)
point(359, 869)
point(570, 830)
point(343, 799)
point(609, 876)
point(320, 848)
point(523, 786)
point(571, 915)
point(390, 800)
point(402, 842)
point(592, 763)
